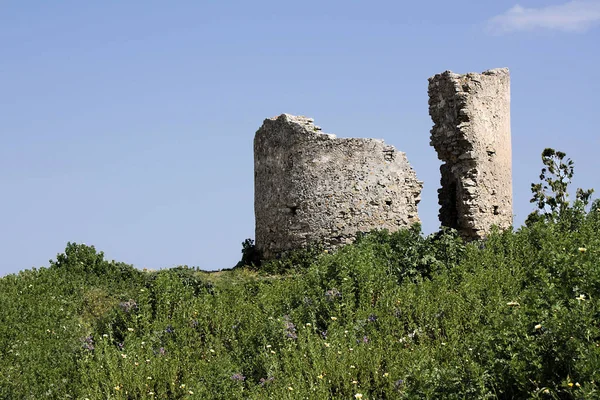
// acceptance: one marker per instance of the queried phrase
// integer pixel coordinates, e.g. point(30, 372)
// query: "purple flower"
point(169, 329)
point(372, 318)
point(88, 343)
point(238, 377)
point(121, 345)
point(263, 381)
point(324, 334)
point(127, 306)
point(332, 294)
point(365, 339)
point(290, 328)
point(398, 384)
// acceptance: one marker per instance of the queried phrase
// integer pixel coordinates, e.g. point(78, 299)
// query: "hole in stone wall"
point(388, 202)
point(496, 210)
point(293, 209)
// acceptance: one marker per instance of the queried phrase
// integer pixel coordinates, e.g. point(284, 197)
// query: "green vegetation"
point(392, 316)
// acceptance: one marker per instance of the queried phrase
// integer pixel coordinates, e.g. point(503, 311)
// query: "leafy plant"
point(551, 194)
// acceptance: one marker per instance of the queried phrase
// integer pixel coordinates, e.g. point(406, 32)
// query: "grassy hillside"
point(392, 316)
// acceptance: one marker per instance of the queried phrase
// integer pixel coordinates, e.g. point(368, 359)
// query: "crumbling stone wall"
point(313, 187)
point(471, 134)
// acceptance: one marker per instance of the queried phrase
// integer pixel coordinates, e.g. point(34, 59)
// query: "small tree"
point(551, 195)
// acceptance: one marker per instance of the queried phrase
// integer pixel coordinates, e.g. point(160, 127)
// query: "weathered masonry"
point(314, 187)
point(471, 134)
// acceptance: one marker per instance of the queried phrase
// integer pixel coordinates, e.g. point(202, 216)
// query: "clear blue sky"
point(129, 124)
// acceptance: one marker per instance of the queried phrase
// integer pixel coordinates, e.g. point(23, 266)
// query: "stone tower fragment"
point(313, 187)
point(471, 134)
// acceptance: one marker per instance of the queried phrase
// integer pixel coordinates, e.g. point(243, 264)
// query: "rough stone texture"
point(313, 187)
point(471, 134)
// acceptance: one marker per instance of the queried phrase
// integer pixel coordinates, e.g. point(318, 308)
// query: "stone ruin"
point(312, 187)
point(471, 134)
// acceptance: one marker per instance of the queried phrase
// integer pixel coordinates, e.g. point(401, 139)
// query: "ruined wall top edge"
point(454, 75)
point(306, 129)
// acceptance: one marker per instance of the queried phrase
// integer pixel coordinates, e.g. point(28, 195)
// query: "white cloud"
point(574, 16)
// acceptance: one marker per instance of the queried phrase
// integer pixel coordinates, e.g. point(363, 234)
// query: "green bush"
point(395, 315)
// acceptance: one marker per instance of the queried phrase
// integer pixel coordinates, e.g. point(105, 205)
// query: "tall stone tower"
point(314, 187)
point(471, 134)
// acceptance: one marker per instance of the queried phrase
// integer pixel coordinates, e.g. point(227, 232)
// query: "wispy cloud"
point(573, 16)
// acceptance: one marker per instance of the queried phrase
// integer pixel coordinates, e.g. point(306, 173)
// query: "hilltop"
point(394, 315)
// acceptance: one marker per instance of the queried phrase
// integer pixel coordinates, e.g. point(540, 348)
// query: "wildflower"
point(290, 328)
point(238, 377)
point(352, 366)
point(538, 326)
point(190, 392)
point(582, 249)
point(326, 344)
point(324, 334)
point(358, 396)
point(136, 363)
point(105, 335)
point(513, 304)
point(211, 350)
point(263, 381)
point(577, 384)
point(268, 346)
point(398, 384)
point(308, 324)
point(117, 388)
point(334, 318)
point(123, 355)
point(290, 388)
point(182, 386)
point(354, 382)
point(149, 378)
point(570, 384)
point(581, 297)
point(332, 294)
point(169, 329)
point(292, 335)
point(386, 374)
point(350, 349)
point(130, 329)
point(128, 306)
point(88, 343)
point(320, 376)
point(372, 318)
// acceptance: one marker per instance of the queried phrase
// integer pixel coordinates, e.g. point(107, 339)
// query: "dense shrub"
point(395, 315)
